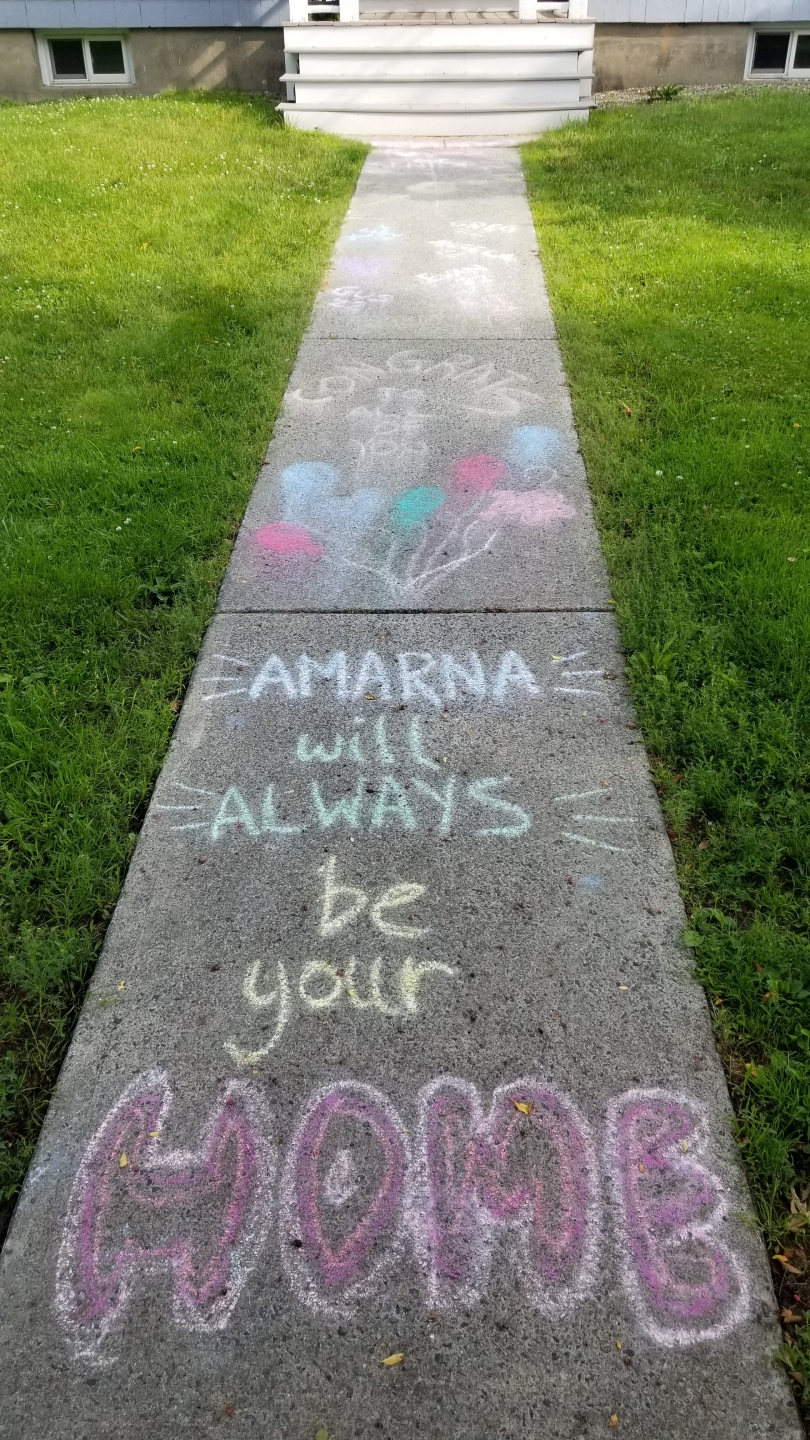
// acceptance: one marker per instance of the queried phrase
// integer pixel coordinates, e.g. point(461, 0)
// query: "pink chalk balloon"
point(282, 538)
point(541, 508)
point(475, 474)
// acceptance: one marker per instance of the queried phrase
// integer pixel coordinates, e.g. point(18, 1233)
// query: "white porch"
point(358, 71)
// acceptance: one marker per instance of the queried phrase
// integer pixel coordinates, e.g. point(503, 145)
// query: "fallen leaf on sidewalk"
point(395, 1359)
point(786, 1265)
point(524, 1106)
point(322, 1434)
point(613, 1422)
point(123, 1162)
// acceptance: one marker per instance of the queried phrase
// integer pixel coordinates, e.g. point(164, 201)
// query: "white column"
point(299, 13)
point(350, 10)
point(527, 9)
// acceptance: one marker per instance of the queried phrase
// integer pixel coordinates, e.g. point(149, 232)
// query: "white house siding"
point(141, 14)
point(695, 12)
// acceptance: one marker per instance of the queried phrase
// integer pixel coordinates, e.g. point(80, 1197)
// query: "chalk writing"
point(529, 1173)
point(353, 1203)
point(409, 677)
point(385, 803)
point(324, 985)
point(137, 1207)
point(682, 1277)
point(336, 1253)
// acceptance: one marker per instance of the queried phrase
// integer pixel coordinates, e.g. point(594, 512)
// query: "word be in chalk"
point(357, 1195)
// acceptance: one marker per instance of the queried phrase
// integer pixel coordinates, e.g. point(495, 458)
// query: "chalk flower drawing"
point(484, 1188)
point(413, 540)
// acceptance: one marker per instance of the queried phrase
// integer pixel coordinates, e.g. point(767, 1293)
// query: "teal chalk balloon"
point(415, 505)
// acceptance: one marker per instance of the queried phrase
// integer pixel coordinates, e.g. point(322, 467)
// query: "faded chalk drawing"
point(414, 539)
point(511, 1182)
point(408, 386)
point(685, 1282)
point(138, 1208)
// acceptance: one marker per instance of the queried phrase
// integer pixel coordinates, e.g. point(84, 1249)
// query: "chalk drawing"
point(421, 678)
point(461, 250)
point(373, 234)
point(683, 1279)
point(413, 540)
point(514, 1184)
point(263, 1000)
point(604, 795)
point(336, 1254)
point(472, 287)
point(471, 1181)
point(210, 1210)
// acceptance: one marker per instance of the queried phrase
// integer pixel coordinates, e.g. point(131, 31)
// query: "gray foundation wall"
point(625, 57)
point(232, 59)
point(629, 57)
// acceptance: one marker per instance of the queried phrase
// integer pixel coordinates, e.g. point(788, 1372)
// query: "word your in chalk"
point(324, 985)
point(463, 1190)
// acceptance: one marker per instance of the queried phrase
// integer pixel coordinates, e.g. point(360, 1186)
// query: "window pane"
point(801, 59)
point(67, 58)
point(107, 57)
point(770, 50)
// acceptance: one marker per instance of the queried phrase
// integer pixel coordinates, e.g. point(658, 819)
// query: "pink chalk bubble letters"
point(685, 1282)
point(337, 1236)
point(137, 1209)
point(528, 1173)
point(513, 1185)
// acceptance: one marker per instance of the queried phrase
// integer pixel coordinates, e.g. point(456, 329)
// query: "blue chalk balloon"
point(415, 505)
point(534, 445)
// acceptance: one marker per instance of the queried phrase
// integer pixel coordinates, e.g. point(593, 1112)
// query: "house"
point(399, 66)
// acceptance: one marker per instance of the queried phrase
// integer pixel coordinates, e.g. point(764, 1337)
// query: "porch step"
point(366, 80)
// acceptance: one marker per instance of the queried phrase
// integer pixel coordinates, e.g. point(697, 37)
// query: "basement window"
point(71, 59)
point(780, 52)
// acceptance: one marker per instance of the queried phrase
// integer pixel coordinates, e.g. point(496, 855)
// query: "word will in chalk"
point(463, 1190)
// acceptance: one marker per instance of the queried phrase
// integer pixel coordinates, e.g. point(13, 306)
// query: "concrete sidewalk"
point(392, 1053)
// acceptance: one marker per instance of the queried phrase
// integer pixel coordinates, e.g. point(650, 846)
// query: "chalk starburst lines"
point(416, 539)
point(510, 1183)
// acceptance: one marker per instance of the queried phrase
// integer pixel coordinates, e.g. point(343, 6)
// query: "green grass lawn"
point(158, 262)
point(676, 239)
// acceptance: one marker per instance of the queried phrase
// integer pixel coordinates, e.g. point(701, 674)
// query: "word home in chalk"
point(470, 1185)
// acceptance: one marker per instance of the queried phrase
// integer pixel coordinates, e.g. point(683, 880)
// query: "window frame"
point(790, 70)
point(44, 38)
